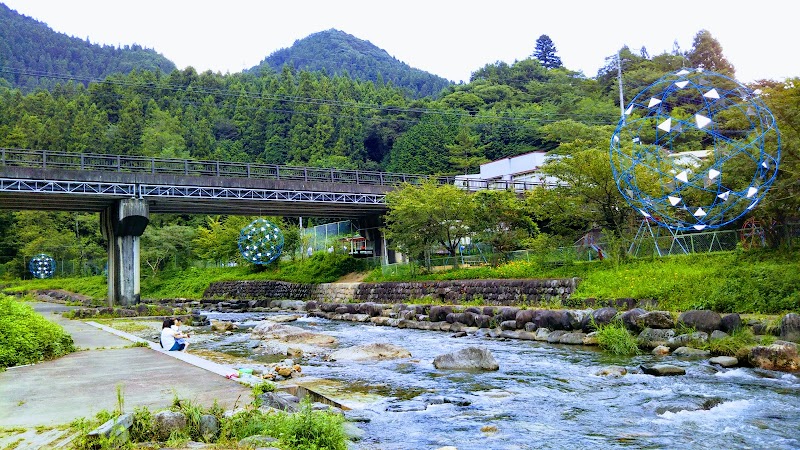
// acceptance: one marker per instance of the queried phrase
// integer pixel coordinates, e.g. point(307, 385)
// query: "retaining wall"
point(491, 292)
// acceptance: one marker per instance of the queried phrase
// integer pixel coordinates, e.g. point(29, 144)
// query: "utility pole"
point(621, 99)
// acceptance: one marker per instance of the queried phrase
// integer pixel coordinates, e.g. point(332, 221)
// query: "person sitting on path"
point(170, 334)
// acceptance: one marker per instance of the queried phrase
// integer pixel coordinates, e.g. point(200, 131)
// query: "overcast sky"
point(448, 38)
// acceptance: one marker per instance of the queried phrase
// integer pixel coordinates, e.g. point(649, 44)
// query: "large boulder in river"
point(602, 316)
point(730, 323)
point(366, 352)
point(630, 319)
point(290, 334)
point(790, 327)
point(652, 337)
point(781, 355)
point(661, 320)
point(701, 320)
point(439, 313)
point(470, 358)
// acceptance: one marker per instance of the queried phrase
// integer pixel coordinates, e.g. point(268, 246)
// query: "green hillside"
point(337, 53)
point(29, 49)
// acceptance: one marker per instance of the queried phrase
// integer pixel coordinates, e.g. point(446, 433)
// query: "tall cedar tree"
point(545, 52)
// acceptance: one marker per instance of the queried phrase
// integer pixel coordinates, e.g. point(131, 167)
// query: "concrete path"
point(85, 382)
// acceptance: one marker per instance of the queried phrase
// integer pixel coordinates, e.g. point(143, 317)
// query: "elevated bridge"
point(126, 189)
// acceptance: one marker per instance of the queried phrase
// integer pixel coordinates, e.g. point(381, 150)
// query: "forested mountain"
point(338, 53)
point(29, 48)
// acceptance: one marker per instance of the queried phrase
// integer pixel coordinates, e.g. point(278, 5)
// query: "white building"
point(521, 172)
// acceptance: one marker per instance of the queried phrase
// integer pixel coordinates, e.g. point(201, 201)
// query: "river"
point(543, 397)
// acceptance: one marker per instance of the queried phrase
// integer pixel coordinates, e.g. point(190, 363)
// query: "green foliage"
point(310, 430)
point(337, 52)
point(26, 337)
point(32, 45)
point(614, 338)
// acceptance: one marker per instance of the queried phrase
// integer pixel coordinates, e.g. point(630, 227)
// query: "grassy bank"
point(745, 282)
point(26, 337)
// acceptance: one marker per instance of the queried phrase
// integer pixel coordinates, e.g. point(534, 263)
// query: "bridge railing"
point(45, 159)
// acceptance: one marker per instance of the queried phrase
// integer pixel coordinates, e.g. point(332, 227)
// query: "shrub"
point(26, 337)
point(311, 430)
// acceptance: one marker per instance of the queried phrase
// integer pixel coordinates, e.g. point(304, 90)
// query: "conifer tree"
point(545, 52)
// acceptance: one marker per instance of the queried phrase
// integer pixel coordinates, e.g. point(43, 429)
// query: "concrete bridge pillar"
point(123, 224)
point(372, 228)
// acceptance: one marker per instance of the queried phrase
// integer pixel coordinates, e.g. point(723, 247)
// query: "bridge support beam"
point(123, 224)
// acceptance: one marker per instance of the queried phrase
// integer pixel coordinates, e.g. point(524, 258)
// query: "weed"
point(614, 338)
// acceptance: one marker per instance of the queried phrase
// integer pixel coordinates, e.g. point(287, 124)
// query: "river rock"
point(724, 361)
point(652, 337)
point(373, 351)
point(630, 319)
point(257, 441)
point(283, 318)
point(524, 317)
point(508, 325)
point(574, 338)
point(467, 359)
point(603, 316)
point(663, 370)
point(209, 426)
point(591, 339)
point(781, 355)
point(661, 320)
point(542, 334)
point(439, 313)
point(555, 336)
point(790, 327)
point(683, 340)
point(730, 323)
point(661, 350)
point(166, 422)
point(508, 313)
point(701, 320)
point(353, 432)
point(612, 371)
point(407, 406)
point(290, 334)
point(718, 334)
point(222, 326)
point(689, 352)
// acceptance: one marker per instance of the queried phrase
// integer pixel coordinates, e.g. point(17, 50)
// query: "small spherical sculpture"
point(42, 266)
point(261, 242)
point(695, 150)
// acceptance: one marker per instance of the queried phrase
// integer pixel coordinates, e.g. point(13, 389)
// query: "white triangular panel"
point(629, 192)
point(681, 84)
point(711, 94)
point(750, 111)
point(644, 213)
point(712, 173)
point(701, 120)
point(653, 102)
point(751, 192)
point(765, 165)
point(636, 140)
point(699, 227)
point(683, 176)
point(666, 125)
point(699, 212)
point(724, 196)
point(674, 200)
point(616, 138)
point(683, 72)
point(629, 110)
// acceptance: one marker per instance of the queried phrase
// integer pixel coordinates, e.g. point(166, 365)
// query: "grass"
point(756, 281)
point(614, 338)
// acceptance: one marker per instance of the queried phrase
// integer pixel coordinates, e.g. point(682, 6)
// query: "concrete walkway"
point(85, 382)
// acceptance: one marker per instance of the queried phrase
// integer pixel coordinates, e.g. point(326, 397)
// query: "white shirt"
point(167, 338)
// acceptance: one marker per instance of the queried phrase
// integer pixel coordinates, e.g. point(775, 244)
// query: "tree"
point(465, 154)
point(502, 220)
point(422, 216)
point(706, 53)
point(218, 240)
point(545, 52)
point(160, 244)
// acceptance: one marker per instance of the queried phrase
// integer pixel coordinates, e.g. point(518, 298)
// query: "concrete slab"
point(84, 383)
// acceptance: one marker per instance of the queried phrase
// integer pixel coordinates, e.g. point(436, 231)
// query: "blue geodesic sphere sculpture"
point(695, 150)
point(261, 242)
point(42, 266)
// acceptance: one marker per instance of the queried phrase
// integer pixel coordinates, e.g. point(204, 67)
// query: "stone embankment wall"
point(490, 292)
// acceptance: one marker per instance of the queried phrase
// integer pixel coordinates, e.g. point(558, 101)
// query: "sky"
point(451, 39)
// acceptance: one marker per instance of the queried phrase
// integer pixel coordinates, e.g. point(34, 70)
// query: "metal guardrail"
point(45, 159)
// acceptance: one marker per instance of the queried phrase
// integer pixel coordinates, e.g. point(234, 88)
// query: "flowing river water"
point(543, 396)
